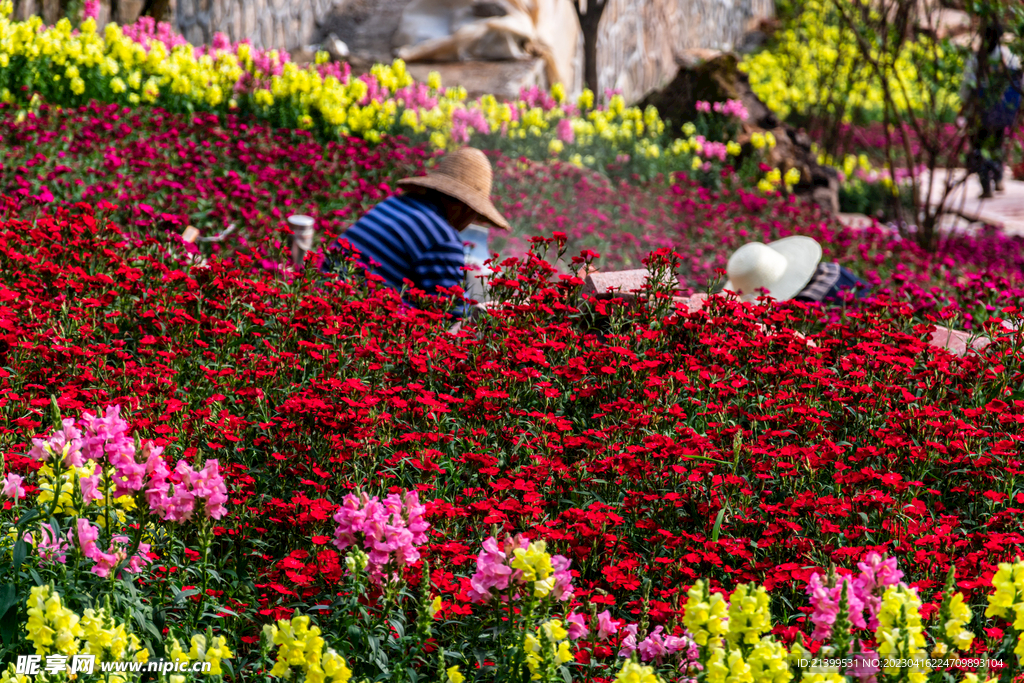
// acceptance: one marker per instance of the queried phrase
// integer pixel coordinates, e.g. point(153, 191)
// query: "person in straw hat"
point(415, 236)
point(790, 268)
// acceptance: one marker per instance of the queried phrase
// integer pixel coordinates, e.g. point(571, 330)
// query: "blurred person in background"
point(991, 94)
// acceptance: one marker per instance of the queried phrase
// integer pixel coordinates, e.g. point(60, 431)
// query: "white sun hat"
point(782, 268)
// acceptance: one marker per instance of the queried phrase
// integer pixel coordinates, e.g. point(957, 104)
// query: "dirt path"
point(1005, 209)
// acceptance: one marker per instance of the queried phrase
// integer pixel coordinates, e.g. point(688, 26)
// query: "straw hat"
point(783, 268)
point(465, 175)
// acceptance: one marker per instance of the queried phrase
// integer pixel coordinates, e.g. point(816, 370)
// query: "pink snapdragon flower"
point(876, 575)
point(390, 531)
point(576, 624)
point(90, 9)
point(606, 626)
point(12, 486)
point(864, 595)
point(703, 107)
point(493, 570)
point(565, 132)
point(563, 589)
point(67, 436)
point(732, 108)
point(628, 645)
point(117, 553)
point(51, 548)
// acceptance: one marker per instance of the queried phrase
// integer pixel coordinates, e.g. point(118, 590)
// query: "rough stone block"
point(956, 341)
point(621, 284)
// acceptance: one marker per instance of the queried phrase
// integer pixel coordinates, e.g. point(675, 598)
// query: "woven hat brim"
point(803, 254)
point(470, 197)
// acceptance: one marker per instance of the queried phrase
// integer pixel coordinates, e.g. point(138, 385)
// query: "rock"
point(623, 284)
point(751, 42)
point(718, 79)
point(710, 76)
point(336, 48)
point(501, 79)
point(950, 23)
point(856, 220)
point(956, 341)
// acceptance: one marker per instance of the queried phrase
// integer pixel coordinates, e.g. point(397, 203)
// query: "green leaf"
point(718, 525)
point(8, 598)
point(20, 551)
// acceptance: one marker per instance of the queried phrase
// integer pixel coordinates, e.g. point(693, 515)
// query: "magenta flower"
point(565, 132)
point(90, 487)
point(389, 531)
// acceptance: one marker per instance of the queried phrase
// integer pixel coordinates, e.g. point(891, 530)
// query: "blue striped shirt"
point(406, 238)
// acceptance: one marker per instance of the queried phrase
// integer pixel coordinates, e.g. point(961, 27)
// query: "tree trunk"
point(156, 9)
point(590, 22)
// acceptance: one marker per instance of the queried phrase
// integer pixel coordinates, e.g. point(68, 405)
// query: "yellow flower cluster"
point(71, 68)
point(633, 672)
point(558, 651)
point(705, 615)
point(900, 634)
point(748, 615)
point(301, 646)
point(215, 653)
point(51, 627)
point(953, 629)
point(109, 640)
point(56, 629)
point(1008, 598)
point(743, 620)
point(816, 56)
point(535, 563)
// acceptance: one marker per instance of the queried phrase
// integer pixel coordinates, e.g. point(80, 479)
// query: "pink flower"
point(12, 486)
point(862, 667)
point(388, 531)
point(90, 9)
point(90, 487)
point(565, 132)
point(107, 436)
point(825, 602)
point(563, 589)
point(67, 436)
point(628, 645)
point(51, 548)
point(87, 535)
point(703, 107)
point(577, 626)
point(493, 570)
point(653, 646)
point(209, 486)
point(606, 626)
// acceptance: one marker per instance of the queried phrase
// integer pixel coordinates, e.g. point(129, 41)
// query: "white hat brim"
point(803, 254)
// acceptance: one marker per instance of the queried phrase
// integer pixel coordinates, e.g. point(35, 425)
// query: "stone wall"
point(639, 45)
point(282, 24)
point(641, 41)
